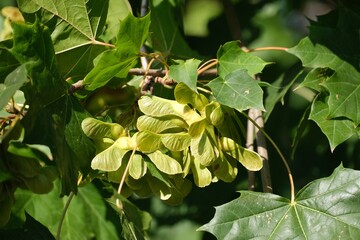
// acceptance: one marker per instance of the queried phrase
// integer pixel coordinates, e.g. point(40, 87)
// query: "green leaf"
point(336, 130)
point(203, 148)
point(78, 62)
point(231, 58)
point(186, 72)
point(39, 152)
point(134, 222)
point(184, 95)
point(137, 167)
point(156, 173)
point(84, 218)
point(166, 124)
point(225, 168)
point(165, 163)
point(148, 142)
point(168, 38)
point(12, 83)
point(316, 78)
point(52, 111)
point(160, 189)
point(176, 141)
point(214, 113)
point(344, 101)
point(324, 209)
point(159, 107)
point(118, 10)
point(197, 128)
point(117, 62)
point(202, 175)
point(248, 158)
point(74, 12)
point(96, 129)
point(79, 21)
point(110, 159)
point(237, 90)
point(8, 63)
point(333, 43)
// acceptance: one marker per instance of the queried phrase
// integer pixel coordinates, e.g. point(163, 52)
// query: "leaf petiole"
point(291, 181)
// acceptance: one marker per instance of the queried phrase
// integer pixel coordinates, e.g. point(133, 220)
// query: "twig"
point(262, 151)
point(266, 49)
point(250, 137)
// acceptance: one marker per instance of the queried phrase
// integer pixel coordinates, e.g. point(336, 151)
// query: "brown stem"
point(262, 151)
point(250, 132)
point(209, 64)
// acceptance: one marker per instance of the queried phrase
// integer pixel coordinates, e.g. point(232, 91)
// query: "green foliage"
point(324, 208)
point(86, 144)
point(332, 69)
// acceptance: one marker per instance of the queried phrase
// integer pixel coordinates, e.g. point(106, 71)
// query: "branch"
point(250, 137)
point(161, 73)
point(262, 151)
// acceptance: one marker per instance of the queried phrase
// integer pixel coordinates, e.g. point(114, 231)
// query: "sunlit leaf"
point(147, 141)
point(225, 168)
point(110, 159)
point(176, 141)
point(159, 107)
point(165, 163)
point(203, 148)
point(117, 62)
point(96, 129)
point(232, 58)
point(323, 209)
point(186, 72)
point(238, 90)
point(163, 124)
point(116, 176)
point(214, 113)
point(248, 158)
point(185, 95)
point(118, 10)
point(156, 173)
point(202, 175)
point(197, 128)
point(138, 167)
